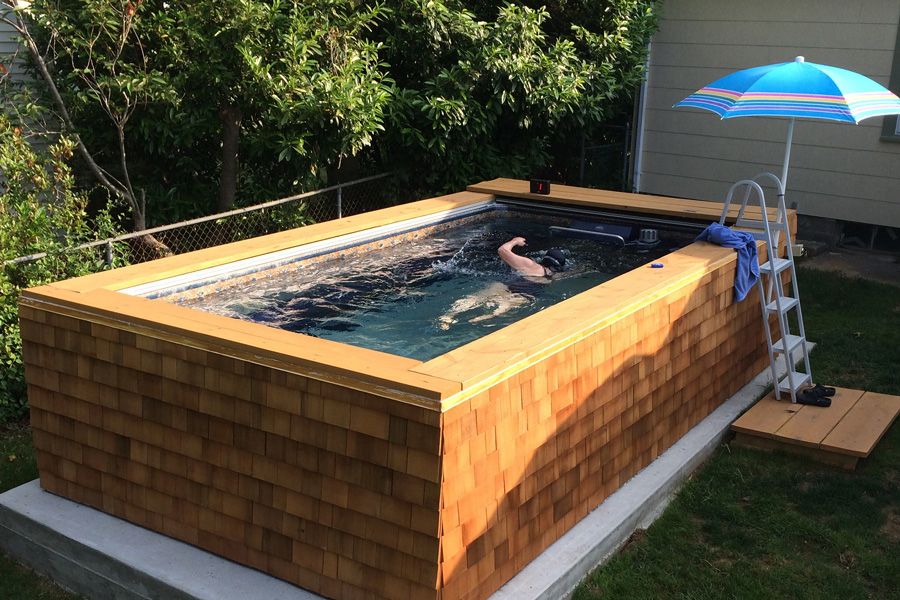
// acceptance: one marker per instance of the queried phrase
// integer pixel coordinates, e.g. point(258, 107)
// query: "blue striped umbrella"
point(795, 89)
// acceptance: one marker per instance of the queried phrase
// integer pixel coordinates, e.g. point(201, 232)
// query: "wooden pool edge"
point(437, 384)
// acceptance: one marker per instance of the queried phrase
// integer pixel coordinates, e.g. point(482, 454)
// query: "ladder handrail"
point(748, 182)
point(774, 177)
point(796, 292)
point(753, 186)
point(774, 287)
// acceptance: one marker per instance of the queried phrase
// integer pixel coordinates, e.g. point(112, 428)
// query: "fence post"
point(339, 198)
point(581, 167)
point(109, 253)
point(626, 150)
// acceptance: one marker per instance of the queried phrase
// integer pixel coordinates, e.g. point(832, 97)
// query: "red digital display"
point(540, 186)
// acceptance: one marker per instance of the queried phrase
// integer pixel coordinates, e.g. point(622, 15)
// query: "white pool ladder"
point(772, 296)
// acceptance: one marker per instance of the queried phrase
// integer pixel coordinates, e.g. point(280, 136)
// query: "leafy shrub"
point(40, 212)
point(448, 91)
point(488, 88)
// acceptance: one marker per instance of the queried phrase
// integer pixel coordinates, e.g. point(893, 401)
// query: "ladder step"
point(786, 305)
point(751, 223)
point(759, 224)
point(757, 235)
point(781, 264)
point(800, 379)
point(793, 342)
point(761, 235)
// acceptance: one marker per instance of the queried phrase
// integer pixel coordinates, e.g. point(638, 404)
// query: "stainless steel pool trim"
point(274, 259)
point(637, 218)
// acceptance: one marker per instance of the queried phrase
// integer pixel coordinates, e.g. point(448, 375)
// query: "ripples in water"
point(423, 298)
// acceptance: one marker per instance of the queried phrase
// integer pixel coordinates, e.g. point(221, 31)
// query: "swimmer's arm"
point(522, 264)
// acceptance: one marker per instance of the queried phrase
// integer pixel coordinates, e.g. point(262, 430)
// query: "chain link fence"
point(342, 200)
point(604, 160)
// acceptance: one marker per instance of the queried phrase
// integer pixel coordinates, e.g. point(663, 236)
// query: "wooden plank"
point(864, 425)
point(219, 255)
point(250, 341)
point(817, 454)
point(812, 423)
point(622, 201)
point(766, 417)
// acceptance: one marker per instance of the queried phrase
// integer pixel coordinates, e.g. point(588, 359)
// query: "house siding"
point(8, 45)
point(838, 171)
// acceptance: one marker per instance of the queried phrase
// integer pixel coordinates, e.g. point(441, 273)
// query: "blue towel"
point(747, 261)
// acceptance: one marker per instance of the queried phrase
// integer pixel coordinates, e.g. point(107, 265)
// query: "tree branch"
point(102, 176)
point(122, 157)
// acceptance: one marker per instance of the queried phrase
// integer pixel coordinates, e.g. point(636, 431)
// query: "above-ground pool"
point(379, 465)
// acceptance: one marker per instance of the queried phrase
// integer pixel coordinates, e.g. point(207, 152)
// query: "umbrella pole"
point(787, 155)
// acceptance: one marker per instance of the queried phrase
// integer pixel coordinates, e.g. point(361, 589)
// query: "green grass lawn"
point(752, 524)
point(17, 466)
point(749, 524)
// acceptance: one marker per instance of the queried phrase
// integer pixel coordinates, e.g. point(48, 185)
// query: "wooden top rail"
point(619, 201)
point(437, 384)
point(358, 368)
point(172, 266)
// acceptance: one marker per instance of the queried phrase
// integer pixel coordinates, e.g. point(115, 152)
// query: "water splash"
point(456, 264)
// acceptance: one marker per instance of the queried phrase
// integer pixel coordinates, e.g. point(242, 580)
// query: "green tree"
point(486, 90)
point(94, 59)
point(327, 89)
point(297, 85)
point(450, 91)
point(40, 212)
point(291, 87)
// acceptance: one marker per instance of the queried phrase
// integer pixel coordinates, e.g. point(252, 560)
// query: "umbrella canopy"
point(793, 89)
point(796, 89)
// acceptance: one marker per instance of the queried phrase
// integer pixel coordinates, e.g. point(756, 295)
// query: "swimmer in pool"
point(500, 297)
point(552, 262)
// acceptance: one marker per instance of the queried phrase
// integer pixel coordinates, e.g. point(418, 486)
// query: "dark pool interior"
point(424, 297)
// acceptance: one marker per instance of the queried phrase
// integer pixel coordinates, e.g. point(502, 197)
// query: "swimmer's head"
point(554, 259)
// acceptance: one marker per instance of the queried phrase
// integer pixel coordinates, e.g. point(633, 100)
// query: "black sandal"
point(810, 398)
point(822, 390)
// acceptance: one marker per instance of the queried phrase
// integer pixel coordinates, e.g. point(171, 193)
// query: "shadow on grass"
point(766, 525)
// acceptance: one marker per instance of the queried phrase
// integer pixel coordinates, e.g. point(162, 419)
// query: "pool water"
point(427, 296)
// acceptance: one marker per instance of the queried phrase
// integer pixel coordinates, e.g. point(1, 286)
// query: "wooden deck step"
point(839, 435)
point(864, 425)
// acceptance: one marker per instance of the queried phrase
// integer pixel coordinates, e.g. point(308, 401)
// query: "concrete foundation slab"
point(101, 557)
point(104, 557)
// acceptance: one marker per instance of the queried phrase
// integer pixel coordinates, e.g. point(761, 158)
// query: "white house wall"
point(838, 171)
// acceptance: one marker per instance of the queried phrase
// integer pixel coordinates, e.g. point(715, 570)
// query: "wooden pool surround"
point(355, 473)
